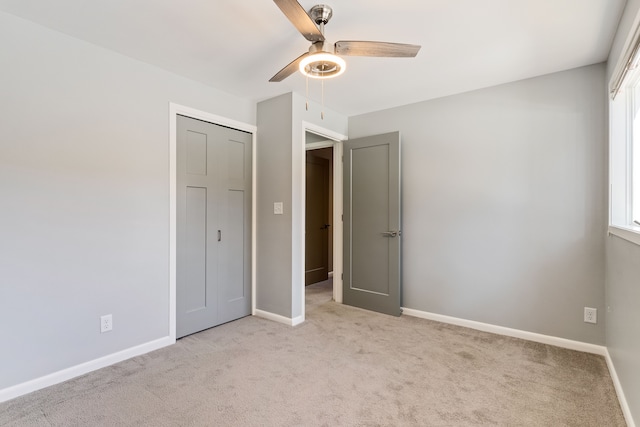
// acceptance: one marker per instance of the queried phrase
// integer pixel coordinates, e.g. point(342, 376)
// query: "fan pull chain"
point(322, 111)
point(306, 100)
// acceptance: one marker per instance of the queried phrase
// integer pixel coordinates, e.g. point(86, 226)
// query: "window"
point(624, 145)
point(634, 152)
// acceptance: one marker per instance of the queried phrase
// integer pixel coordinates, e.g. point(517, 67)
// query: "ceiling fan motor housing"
point(321, 13)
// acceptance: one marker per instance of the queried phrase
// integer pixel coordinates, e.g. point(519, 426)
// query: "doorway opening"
point(367, 220)
point(323, 225)
point(319, 224)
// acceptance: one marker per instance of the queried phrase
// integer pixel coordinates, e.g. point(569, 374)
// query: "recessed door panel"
point(234, 249)
point(370, 208)
point(196, 153)
point(235, 157)
point(196, 250)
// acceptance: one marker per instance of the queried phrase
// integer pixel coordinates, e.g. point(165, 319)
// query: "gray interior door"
point(372, 223)
point(316, 220)
point(213, 225)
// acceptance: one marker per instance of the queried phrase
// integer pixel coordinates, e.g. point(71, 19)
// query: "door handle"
point(391, 233)
point(219, 235)
point(324, 227)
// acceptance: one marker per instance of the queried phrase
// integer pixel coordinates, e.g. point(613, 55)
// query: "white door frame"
point(174, 111)
point(335, 141)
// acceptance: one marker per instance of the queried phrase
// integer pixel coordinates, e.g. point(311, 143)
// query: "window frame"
point(624, 144)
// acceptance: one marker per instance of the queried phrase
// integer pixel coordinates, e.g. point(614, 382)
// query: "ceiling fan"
point(322, 60)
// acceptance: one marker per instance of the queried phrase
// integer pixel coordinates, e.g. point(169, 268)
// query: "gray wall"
point(623, 271)
point(281, 178)
point(334, 122)
point(623, 318)
point(84, 197)
point(273, 269)
point(504, 203)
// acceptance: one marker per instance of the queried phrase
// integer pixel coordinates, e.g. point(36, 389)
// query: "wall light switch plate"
point(277, 208)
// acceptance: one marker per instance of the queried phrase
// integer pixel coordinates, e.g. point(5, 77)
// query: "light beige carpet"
point(342, 367)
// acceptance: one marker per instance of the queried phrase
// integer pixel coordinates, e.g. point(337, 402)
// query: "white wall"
point(623, 271)
point(504, 202)
point(84, 196)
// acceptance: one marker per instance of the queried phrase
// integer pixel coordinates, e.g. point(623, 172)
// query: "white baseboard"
point(516, 333)
point(81, 369)
point(624, 405)
point(297, 320)
point(278, 318)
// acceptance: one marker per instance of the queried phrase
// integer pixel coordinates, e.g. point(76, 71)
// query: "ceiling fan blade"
point(365, 48)
point(300, 19)
point(289, 69)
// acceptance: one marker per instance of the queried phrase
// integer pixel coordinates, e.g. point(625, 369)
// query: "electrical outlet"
point(106, 323)
point(590, 315)
point(277, 208)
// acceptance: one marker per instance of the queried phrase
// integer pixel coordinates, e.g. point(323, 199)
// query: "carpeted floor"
point(342, 367)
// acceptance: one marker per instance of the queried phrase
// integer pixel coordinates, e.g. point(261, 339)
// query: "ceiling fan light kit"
point(322, 65)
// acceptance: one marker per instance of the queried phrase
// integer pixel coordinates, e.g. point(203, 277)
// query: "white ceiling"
point(237, 45)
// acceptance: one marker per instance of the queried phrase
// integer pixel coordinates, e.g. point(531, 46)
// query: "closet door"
point(234, 210)
point(213, 225)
